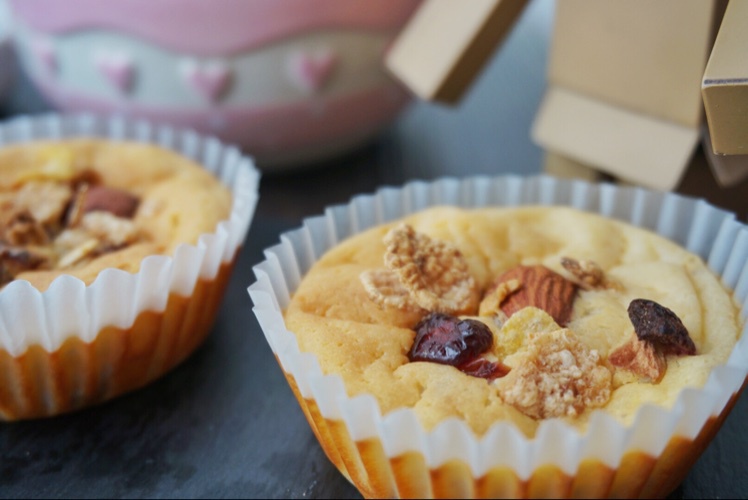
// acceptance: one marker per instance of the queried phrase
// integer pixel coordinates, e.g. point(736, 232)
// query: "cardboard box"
point(725, 84)
point(624, 98)
point(566, 168)
point(624, 86)
point(628, 145)
point(728, 170)
point(698, 179)
point(446, 44)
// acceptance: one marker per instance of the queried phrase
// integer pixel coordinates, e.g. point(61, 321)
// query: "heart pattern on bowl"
point(310, 70)
point(210, 80)
point(117, 67)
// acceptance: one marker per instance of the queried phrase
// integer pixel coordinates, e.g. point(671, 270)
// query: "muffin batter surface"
point(368, 343)
point(80, 206)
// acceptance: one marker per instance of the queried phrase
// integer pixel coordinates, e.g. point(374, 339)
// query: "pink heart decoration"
point(210, 80)
point(44, 51)
point(117, 68)
point(310, 71)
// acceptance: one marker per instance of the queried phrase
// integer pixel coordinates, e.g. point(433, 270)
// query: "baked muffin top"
point(80, 206)
point(516, 314)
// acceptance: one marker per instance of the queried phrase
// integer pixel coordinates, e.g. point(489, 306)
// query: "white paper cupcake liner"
point(712, 233)
point(69, 307)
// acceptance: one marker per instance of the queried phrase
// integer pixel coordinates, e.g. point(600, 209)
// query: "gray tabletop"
point(225, 423)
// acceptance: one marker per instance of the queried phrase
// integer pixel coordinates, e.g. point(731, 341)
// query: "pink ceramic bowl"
point(291, 81)
point(7, 62)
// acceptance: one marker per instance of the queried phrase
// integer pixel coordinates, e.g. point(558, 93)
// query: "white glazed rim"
point(700, 227)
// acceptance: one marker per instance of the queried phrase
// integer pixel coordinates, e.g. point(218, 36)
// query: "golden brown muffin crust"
point(367, 344)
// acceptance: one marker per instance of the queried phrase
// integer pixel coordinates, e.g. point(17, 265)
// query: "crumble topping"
point(558, 376)
point(55, 217)
point(587, 274)
point(434, 273)
point(549, 371)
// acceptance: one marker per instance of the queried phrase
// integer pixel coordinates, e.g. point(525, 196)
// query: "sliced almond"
point(78, 253)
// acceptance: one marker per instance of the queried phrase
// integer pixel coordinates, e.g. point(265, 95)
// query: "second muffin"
point(116, 251)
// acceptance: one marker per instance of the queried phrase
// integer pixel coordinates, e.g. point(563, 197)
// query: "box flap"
point(564, 167)
point(725, 84)
point(632, 146)
point(727, 169)
point(637, 54)
point(446, 43)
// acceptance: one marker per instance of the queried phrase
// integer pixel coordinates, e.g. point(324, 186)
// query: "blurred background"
point(302, 86)
point(297, 77)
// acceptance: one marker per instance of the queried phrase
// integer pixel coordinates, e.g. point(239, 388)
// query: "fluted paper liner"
point(73, 345)
point(392, 455)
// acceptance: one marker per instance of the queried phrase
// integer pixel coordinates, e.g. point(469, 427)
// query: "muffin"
point(534, 350)
point(116, 249)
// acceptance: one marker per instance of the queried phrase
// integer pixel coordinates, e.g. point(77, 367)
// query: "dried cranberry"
point(484, 368)
point(662, 327)
point(445, 339)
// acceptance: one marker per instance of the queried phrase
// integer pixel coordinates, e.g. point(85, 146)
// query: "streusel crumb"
point(558, 376)
point(434, 274)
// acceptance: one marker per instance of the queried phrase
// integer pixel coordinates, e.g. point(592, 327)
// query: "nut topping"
point(23, 229)
point(641, 358)
point(587, 273)
point(539, 287)
point(57, 216)
point(660, 326)
point(434, 274)
point(75, 207)
point(46, 201)
point(383, 287)
point(112, 200)
point(109, 228)
point(658, 331)
point(78, 253)
point(483, 368)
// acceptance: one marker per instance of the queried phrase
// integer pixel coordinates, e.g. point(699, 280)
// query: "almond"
point(112, 200)
point(539, 287)
point(640, 357)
